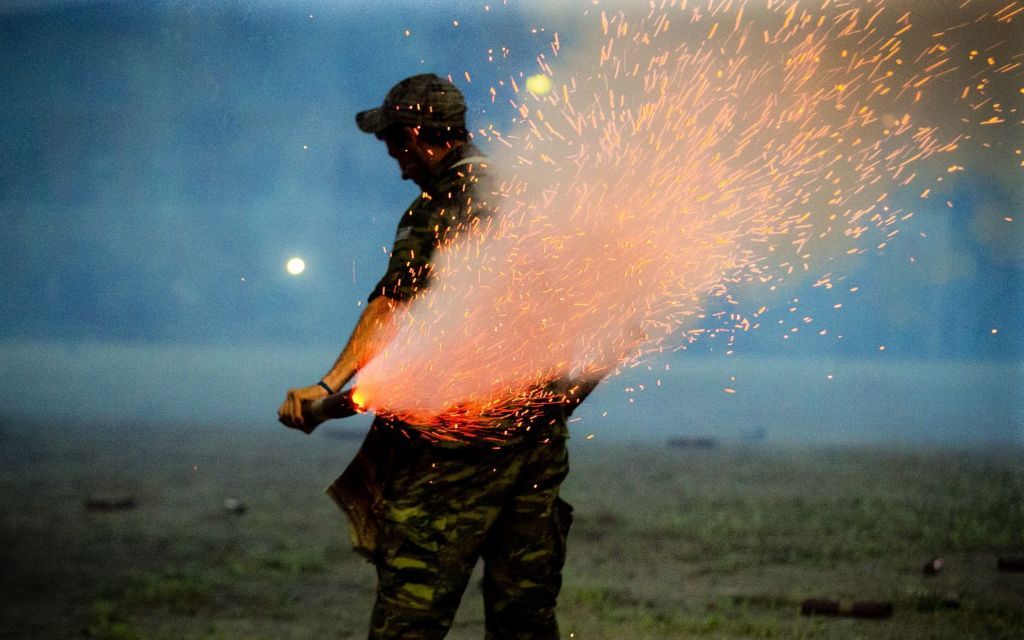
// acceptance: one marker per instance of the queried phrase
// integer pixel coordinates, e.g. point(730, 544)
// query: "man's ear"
point(412, 140)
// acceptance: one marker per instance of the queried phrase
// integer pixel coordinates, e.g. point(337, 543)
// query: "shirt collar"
point(456, 154)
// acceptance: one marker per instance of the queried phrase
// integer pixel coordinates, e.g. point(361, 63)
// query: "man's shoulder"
point(469, 166)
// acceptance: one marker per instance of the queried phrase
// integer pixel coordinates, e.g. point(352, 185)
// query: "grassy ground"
point(721, 543)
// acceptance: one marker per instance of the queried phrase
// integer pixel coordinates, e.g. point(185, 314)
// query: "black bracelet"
point(323, 384)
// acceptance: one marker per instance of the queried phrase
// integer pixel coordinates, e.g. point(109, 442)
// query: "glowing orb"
point(295, 266)
point(538, 85)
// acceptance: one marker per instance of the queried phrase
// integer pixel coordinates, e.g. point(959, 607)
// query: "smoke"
point(679, 154)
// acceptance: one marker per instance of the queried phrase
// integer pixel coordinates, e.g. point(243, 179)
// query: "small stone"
point(105, 505)
point(236, 507)
point(932, 567)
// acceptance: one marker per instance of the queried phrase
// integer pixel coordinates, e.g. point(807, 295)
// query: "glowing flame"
point(359, 400)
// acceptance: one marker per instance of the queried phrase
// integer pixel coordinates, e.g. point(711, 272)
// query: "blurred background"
point(161, 162)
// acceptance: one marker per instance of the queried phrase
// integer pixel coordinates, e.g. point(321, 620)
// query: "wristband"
point(323, 384)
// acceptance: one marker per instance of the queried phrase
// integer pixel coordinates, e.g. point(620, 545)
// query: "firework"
point(696, 151)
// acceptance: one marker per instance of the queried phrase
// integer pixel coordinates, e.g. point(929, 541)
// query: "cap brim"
point(372, 120)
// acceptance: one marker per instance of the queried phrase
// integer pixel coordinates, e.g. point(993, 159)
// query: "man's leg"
point(525, 551)
point(419, 586)
point(438, 509)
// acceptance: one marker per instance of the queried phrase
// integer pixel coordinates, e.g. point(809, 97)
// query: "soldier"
point(423, 511)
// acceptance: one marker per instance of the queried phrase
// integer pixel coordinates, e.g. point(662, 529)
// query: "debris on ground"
point(234, 506)
point(1011, 563)
point(853, 609)
point(104, 505)
point(932, 567)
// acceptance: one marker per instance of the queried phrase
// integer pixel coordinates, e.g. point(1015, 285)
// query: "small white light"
point(295, 266)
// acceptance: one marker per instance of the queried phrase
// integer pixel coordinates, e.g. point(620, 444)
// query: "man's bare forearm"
point(370, 333)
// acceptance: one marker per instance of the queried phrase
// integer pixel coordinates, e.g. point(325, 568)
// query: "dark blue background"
point(159, 163)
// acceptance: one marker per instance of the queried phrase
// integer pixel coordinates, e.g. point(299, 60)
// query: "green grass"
point(720, 543)
point(104, 623)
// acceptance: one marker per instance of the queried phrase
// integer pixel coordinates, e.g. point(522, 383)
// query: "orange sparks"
point(679, 174)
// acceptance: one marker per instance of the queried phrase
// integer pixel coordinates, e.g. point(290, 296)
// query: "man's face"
point(403, 147)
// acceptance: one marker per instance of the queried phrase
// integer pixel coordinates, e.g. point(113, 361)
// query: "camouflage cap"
point(424, 100)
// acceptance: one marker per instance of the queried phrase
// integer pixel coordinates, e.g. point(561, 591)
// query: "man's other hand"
point(290, 412)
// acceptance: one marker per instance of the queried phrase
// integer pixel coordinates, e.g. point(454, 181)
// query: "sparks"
point(667, 173)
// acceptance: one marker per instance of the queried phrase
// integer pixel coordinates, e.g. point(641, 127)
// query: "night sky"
point(161, 161)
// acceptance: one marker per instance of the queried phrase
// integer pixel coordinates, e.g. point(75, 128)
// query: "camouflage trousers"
point(442, 509)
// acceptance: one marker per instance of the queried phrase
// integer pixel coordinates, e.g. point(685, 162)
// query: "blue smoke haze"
point(159, 163)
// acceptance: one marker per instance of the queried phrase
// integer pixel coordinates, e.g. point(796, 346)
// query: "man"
point(425, 510)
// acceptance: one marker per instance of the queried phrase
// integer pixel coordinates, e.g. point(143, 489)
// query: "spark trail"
point(695, 149)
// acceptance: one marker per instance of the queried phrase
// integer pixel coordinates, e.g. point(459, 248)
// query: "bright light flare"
point(539, 84)
point(295, 266)
point(359, 400)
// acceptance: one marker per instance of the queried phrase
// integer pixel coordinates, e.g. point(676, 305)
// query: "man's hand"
point(290, 413)
point(370, 333)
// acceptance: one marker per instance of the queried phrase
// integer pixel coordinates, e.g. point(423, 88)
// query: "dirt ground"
point(667, 543)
